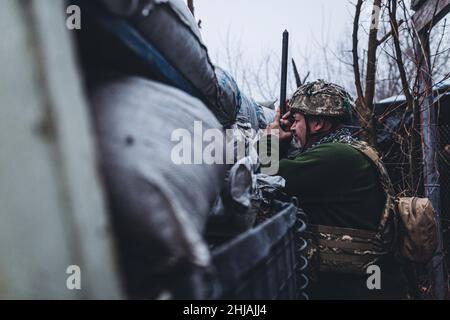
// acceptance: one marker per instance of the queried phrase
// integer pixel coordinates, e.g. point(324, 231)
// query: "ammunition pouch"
point(344, 250)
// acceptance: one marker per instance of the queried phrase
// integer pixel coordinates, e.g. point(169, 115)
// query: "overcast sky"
point(255, 27)
point(259, 23)
point(252, 30)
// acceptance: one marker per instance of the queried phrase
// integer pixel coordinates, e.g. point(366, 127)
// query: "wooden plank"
point(52, 211)
point(415, 4)
point(430, 13)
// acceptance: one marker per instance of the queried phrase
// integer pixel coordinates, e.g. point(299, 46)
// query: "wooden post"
point(429, 136)
point(430, 13)
point(424, 19)
point(53, 214)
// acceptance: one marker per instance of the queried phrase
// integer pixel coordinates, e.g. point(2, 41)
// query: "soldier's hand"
point(281, 126)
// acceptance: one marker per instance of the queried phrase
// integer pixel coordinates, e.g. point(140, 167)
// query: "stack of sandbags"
point(268, 116)
point(249, 111)
point(231, 214)
point(121, 7)
point(164, 37)
point(159, 208)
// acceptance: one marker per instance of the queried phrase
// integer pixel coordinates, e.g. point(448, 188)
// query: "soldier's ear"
point(317, 124)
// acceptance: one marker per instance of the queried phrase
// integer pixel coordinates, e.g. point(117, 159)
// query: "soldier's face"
point(298, 128)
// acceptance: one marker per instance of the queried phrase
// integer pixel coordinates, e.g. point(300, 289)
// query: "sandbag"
point(165, 35)
point(246, 200)
point(159, 208)
point(248, 112)
point(120, 7)
point(268, 104)
point(252, 112)
point(231, 214)
point(269, 116)
point(241, 138)
point(229, 92)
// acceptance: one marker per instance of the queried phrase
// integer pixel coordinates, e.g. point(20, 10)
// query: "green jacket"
point(338, 186)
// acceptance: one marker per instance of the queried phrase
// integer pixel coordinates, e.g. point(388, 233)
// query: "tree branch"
point(356, 71)
point(389, 34)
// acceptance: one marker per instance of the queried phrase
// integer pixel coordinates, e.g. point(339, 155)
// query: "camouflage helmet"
point(322, 98)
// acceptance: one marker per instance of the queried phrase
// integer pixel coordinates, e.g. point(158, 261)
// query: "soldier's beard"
point(296, 142)
point(295, 147)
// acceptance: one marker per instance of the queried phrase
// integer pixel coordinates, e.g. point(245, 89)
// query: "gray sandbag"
point(159, 208)
point(267, 185)
point(240, 179)
point(120, 7)
point(231, 214)
point(229, 92)
point(240, 140)
point(268, 104)
point(252, 112)
point(246, 200)
point(268, 116)
point(267, 190)
point(169, 26)
point(247, 112)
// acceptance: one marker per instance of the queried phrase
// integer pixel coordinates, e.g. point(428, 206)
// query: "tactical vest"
point(345, 250)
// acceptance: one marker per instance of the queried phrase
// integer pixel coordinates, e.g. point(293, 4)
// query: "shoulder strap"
point(372, 155)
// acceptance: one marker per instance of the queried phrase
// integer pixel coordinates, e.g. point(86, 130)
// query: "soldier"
point(345, 192)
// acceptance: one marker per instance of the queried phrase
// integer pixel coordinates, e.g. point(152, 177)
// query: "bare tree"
point(365, 102)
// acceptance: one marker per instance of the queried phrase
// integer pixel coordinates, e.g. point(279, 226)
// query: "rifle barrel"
point(284, 65)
